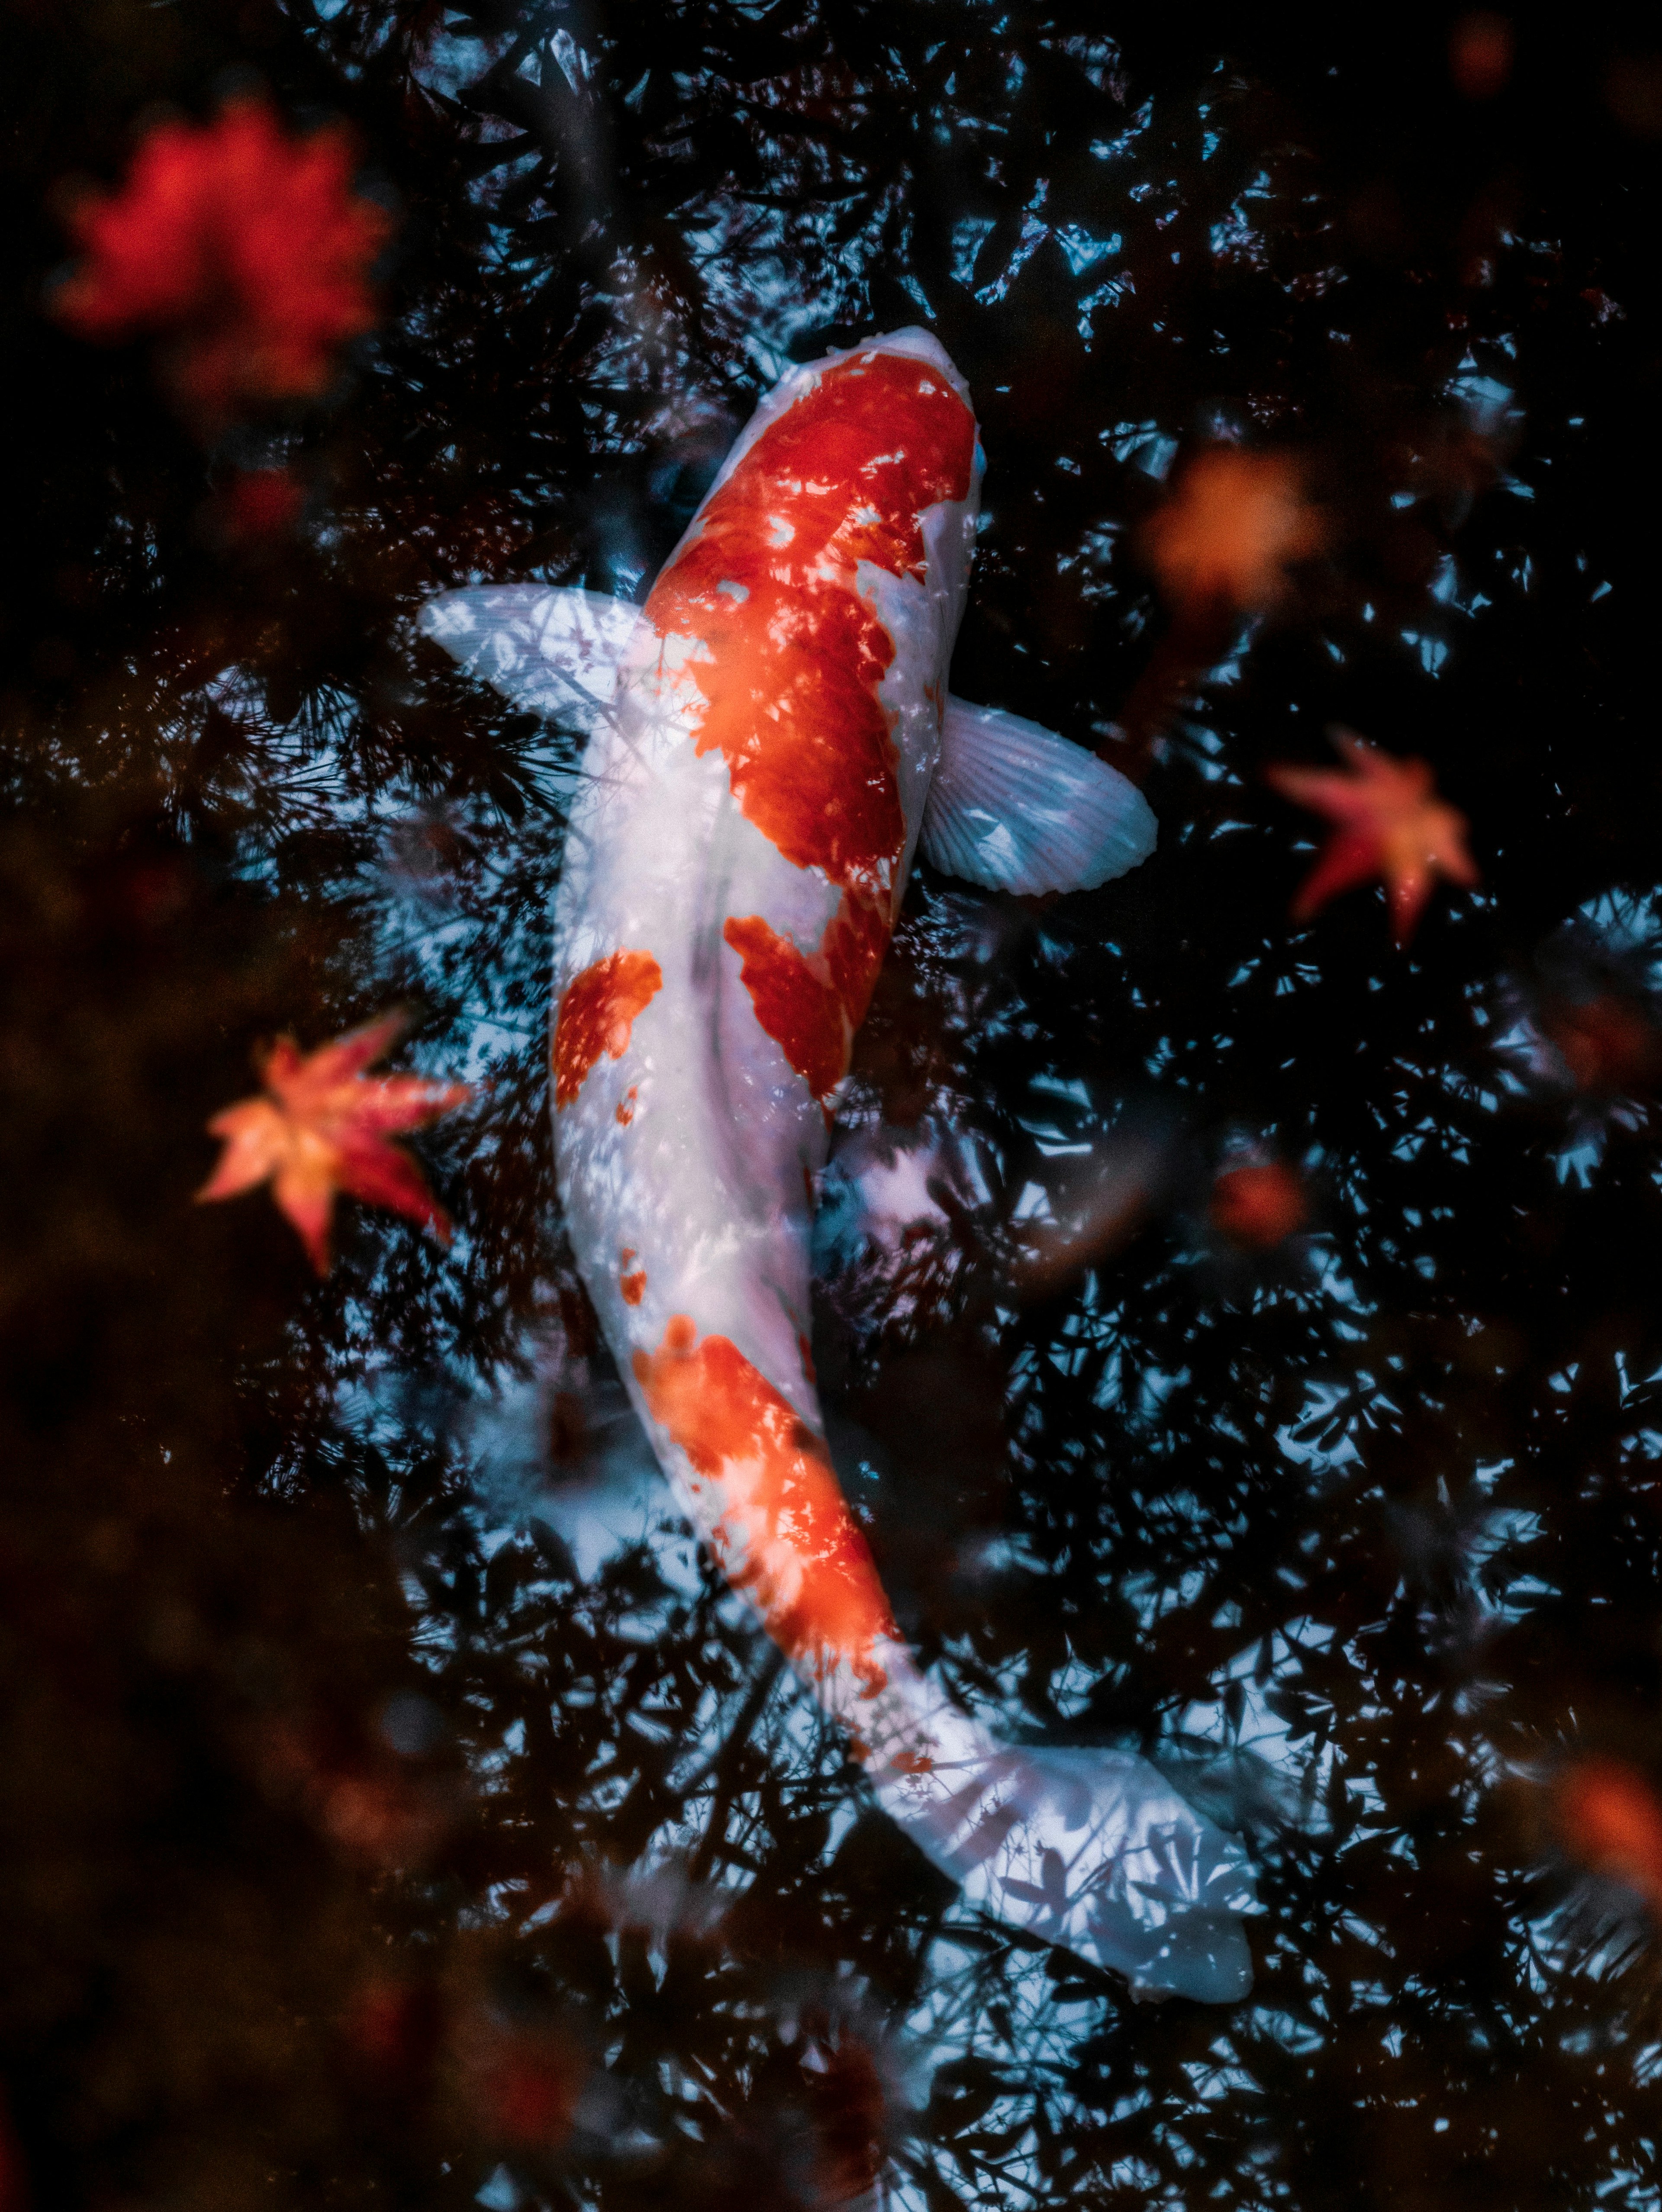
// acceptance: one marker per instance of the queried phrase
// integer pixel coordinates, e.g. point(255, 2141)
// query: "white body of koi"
point(770, 738)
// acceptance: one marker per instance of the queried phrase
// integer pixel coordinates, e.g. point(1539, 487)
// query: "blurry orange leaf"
point(323, 1126)
point(850, 2101)
point(1633, 88)
point(519, 2082)
point(247, 247)
point(392, 2023)
point(1611, 1046)
point(377, 1810)
point(1480, 53)
point(1609, 1817)
point(1231, 529)
point(1259, 1205)
point(384, 1820)
point(1391, 825)
point(1096, 1201)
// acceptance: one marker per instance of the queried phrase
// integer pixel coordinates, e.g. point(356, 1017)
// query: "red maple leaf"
point(1609, 1044)
point(518, 2081)
point(1233, 525)
point(261, 503)
point(323, 1126)
point(1391, 825)
point(248, 247)
point(1259, 1205)
point(1609, 1816)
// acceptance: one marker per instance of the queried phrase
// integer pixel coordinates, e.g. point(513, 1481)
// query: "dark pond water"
point(1239, 1332)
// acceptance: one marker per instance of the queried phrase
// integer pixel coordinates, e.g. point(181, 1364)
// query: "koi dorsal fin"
point(1016, 808)
point(555, 652)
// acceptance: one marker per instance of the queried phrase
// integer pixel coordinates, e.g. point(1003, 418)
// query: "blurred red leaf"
point(1232, 526)
point(520, 2082)
point(1259, 1205)
point(1480, 48)
point(1096, 1201)
point(246, 245)
point(323, 1128)
point(850, 2102)
point(393, 2024)
point(1391, 825)
point(1609, 1818)
point(1611, 1046)
point(261, 503)
point(374, 1810)
point(1633, 88)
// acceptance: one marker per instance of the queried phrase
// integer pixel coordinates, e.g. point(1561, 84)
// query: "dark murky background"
point(395, 1808)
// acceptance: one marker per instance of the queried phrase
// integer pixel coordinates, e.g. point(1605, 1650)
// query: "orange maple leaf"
point(247, 246)
point(1260, 1204)
point(323, 1126)
point(1234, 525)
point(1391, 825)
point(1608, 1816)
point(1609, 1043)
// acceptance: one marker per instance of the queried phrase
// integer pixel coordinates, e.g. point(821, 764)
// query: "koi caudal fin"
point(1092, 1849)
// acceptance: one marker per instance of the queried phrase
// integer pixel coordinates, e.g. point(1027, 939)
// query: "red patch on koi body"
point(811, 1004)
point(794, 653)
point(803, 1015)
point(633, 1286)
point(597, 1015)
point(626, 1108)
point(785, 1536)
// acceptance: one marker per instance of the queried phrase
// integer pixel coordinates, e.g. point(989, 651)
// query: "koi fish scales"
point(765, 751)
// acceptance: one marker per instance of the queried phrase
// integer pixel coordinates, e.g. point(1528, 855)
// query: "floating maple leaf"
point(259, 503)
point(519, 2079)
point(381, 1811)
point(1260, 1204)
point(849, 2100)
point(1609, 1816)
point(1480, 53)
point(1609, 1044)
point(1233, 525)
point(246, 245)
point(1391, 824)
point(323, 1126)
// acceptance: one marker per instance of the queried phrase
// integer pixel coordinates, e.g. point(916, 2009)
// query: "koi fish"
point(769, 740)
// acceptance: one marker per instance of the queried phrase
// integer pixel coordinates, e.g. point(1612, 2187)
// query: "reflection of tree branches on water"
point(1377, 1503)
point(726, 1769)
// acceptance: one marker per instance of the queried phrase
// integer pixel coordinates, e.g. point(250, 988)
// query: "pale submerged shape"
point(770, 737)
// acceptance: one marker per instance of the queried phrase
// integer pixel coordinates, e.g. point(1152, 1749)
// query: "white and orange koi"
point(769, 740)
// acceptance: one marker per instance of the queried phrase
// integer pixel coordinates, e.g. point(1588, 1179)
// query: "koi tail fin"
point(1092, 1849)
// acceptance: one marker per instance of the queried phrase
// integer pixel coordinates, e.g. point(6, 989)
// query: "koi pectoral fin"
point(1016, 808)
point(556, 652)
